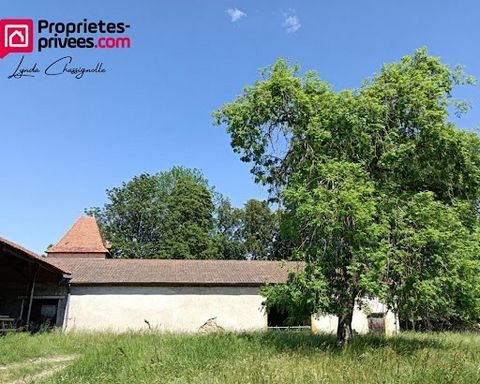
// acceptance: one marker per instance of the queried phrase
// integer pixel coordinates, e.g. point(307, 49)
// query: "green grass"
point(270, 357)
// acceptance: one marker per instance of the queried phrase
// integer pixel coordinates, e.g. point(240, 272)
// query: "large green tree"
point(380, 191)
point(165, 215)
point(176, 214)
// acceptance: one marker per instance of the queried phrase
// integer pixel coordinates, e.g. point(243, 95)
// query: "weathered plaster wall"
point(186, 309)
point(328, 323)
point(165, 308)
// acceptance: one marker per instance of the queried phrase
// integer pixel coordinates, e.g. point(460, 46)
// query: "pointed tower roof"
point(83, 239)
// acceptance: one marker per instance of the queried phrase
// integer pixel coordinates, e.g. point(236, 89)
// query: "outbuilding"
point(33, 292)
point(81, 288)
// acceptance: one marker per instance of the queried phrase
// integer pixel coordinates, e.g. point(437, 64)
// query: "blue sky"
point(63, 141)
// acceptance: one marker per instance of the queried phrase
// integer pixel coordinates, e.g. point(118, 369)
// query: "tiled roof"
point(29, 255)
point(175, 272)
point(83, 237)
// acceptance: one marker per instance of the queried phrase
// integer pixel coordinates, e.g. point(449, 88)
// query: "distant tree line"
point(176, 214)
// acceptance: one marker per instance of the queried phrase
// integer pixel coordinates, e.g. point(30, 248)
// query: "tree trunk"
point(344, 327)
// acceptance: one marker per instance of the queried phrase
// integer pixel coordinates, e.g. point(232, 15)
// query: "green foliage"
point(187, 227)
point(166, 215)
point(259, 229)
point(304, 294)
point(247, 233)
point(227, 242)
point(176, 214)
point(379, 190)
point(434, 267)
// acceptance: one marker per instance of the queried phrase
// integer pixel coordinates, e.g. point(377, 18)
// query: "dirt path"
point(38, 376)
point(59, 363)
point(39, 360)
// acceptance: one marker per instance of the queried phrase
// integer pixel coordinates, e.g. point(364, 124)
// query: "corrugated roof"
point(175, 272)
point(83, 237)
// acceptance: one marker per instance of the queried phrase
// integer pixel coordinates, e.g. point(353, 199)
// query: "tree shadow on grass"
point(307, 343)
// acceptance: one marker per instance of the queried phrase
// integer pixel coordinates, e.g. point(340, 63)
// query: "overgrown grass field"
point(270, 357)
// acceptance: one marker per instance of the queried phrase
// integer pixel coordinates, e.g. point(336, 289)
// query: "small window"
point(376, 322)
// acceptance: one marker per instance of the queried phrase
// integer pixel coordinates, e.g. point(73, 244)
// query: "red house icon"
point(16, 36)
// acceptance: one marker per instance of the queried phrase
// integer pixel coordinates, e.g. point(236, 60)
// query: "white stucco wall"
point(184, 309)
point(328, 323)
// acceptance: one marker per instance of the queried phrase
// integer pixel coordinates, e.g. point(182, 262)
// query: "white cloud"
point(291, 23)
point(235, 14)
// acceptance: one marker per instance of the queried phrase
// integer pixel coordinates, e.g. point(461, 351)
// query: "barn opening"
point(279, 318)
point(44, 313)
point(24, 280)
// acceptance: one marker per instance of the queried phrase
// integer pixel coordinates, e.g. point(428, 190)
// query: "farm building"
point(80, 287)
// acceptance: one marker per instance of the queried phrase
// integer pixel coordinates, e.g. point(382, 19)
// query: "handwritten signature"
point(58, 67)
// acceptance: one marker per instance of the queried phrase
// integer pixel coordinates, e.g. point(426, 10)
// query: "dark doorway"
point(277, 317)
point(44, 313)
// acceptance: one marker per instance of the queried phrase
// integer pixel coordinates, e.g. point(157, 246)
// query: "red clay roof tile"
point(83, 237)
point(175, 272)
